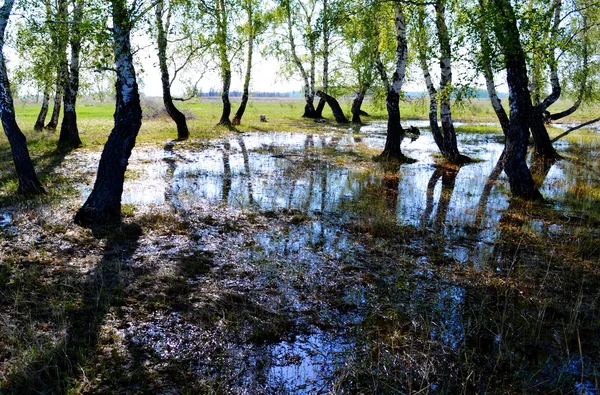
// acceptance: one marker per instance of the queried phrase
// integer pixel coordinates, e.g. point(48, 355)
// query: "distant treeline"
point(469, 93)
point(217, 93)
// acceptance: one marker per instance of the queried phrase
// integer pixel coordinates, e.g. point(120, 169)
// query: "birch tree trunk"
point(449, 147)
point(335, 107)
point(221, 17)
point(515, 165)
point(357, 104)
point(488, 73)
point(237, 119)
point(161, 40)
point(41, 118)
point(395, 133)
point(543, 146)
point(58, 98)
point(309, 107)
point(326, 37)
point(69, 133)
point(29, 184)
point(103, 206)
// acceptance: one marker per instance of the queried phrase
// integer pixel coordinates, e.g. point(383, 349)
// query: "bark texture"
point(515, 165)
point(69, 133)
point(103, 206)
point(326, 40)
point(488, 73)
point(161, 30)
point(357, 104)
point(237, 119)
point(543, 146)
point(395, 133)
point(41, 118)
point(449, 146)
point(307, 77)
point(335, 107)
point(221, 17)
point(445, 138)
point(29, 183)
point(58, 97)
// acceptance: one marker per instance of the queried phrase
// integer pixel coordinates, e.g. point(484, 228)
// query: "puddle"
point(295, 298)
point(306, 365)
point(5, 220)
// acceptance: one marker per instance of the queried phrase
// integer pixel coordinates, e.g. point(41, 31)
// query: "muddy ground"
point(292, 263)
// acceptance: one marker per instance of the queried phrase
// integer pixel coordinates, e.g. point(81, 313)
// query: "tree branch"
point(575, 128)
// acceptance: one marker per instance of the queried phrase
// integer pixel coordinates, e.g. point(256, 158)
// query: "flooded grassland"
point(292, 263)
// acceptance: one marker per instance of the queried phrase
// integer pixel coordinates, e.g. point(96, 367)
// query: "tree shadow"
point(44, 163)
point(55, 370)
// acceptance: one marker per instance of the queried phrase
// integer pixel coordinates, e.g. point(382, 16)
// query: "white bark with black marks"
point(29, 183)
point(103, 206)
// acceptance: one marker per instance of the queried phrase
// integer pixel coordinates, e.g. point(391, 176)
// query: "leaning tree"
point(445, 138)
point(163, 17)
point(393, 87)
point(505, 27)
point(103, 205)
point(29, 183)
point(360, 37)
point(297, 19)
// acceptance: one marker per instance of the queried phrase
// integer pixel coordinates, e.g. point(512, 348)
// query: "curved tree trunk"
point(237, 119)
point(41, 118)
point(309, 107)
point(449, 146)
point(326, 37)
point(103, 206)
point(58, 98)
point(335, 107)
point(543, 148)
point(221, 17)
point(395, 133)
point(177, 116)
point(69, 133)
point(488, 73)
point(29, 184)
point(515, 165)
point(357, 104)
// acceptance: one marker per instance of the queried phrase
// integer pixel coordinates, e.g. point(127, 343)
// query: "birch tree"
point(393, 87)
point(103, 205)
point(69, 132)
point(297, 18)
point(445, 138)
point(29, 183)
point(254, 26)
point(506, 30)
point(361, 39)
point(163, 15)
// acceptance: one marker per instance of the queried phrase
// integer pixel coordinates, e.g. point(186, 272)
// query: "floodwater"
point(300, 268)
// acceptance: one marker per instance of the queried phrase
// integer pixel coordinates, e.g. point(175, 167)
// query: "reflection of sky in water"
point(5, 219)
point(272, 171)
point(448, 316)
point(305, 365)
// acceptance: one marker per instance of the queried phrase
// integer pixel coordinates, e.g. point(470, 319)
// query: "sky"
point(265, 78)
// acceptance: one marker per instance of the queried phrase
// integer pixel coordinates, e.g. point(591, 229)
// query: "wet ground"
point(292, 263)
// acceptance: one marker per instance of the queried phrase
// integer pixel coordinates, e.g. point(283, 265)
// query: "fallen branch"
point(574, 129)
